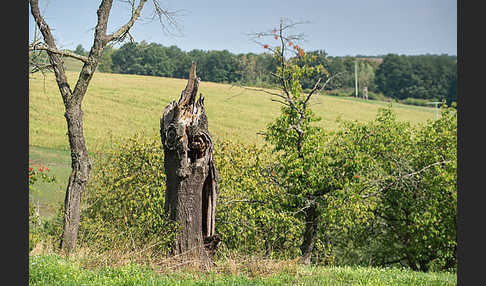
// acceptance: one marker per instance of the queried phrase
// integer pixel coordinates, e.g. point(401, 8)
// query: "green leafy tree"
point(298, 145)
point(337, 65)
point(80, 50)
point(411, 181)
point(366, 75)
point(393, 76)
point(221, 66)
point(179, 61)
point(127, 59)
point(452, 91)
point(427, 77)
point(247, 68)
point(106, 61)
point(155, 61)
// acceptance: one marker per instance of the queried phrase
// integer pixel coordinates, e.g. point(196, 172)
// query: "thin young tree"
point(73, 97)
point(295, 139)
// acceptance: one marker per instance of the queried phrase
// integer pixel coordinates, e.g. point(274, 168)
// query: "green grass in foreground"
point(51, 269)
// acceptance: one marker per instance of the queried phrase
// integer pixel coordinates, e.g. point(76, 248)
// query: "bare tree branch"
point(66, 53)
point(163, 14)
point(395, 179)
point(427, 167)
point(316, 85)
point(280, 101)
point(36, 67)
point(263, 90)
point(330, 78)
point(54, 58)
point(124, 29)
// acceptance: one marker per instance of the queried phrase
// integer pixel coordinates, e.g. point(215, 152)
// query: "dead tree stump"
point(192, 177)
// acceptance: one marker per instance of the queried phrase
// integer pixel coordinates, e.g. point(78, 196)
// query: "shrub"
point(377, 96)
point(124, 200)
point(250, 216)
point(412, 179)
point(123, 206)
point(417, 101)
point(342, 92)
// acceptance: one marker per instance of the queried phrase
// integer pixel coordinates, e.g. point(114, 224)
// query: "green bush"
point(377, 96)
point(123, 205)
point(342, 92)
point(250, 214)
point(34, 236)
point(417, 101)
point(124, 200)
point(412, 180)
point(369, 167)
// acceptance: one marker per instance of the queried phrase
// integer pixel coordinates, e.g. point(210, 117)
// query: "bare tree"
point(73, 98)
point(192, 178)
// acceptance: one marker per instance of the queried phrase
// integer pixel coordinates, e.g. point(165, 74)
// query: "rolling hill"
point(117, 106)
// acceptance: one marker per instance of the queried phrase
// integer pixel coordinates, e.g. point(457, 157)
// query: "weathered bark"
point(81, 166)
point(192, 178)
point(310, 233)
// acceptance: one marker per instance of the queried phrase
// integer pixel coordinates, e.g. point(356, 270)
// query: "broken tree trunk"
point(192, 178)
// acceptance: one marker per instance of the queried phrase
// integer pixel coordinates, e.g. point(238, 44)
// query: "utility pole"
point(436, 103)
point(356, 78)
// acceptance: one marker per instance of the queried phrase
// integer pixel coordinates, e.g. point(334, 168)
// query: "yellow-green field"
point(117, 106)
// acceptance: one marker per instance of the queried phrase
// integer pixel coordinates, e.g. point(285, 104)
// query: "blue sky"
point(340, 27)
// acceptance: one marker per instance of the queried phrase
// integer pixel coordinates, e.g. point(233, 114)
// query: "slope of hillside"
point(118, 105)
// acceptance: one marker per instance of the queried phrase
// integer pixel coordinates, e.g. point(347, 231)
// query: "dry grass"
point(88, 267)
point(116, 106)
point(255, 266)
point(232, 264)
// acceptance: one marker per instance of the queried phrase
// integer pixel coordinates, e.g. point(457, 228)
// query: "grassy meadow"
point(52, 269)
point(117, 106)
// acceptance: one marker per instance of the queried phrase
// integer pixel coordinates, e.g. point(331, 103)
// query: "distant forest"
point(416, 79)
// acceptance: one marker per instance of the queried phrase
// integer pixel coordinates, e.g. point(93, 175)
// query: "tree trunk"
point(81, 166)
point(191, 174)
point(80, 161)
point(310, 233)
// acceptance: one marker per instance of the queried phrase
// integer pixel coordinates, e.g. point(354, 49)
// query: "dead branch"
point(65, 53)
point(280, 101)
point(169, 16)
point(263, 90)
point(330, 78)
point(125, 28)
point(427, 167)
point(54, 58)
point(311, 92)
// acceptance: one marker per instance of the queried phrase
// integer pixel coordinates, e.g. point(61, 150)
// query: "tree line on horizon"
point(413, 79)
